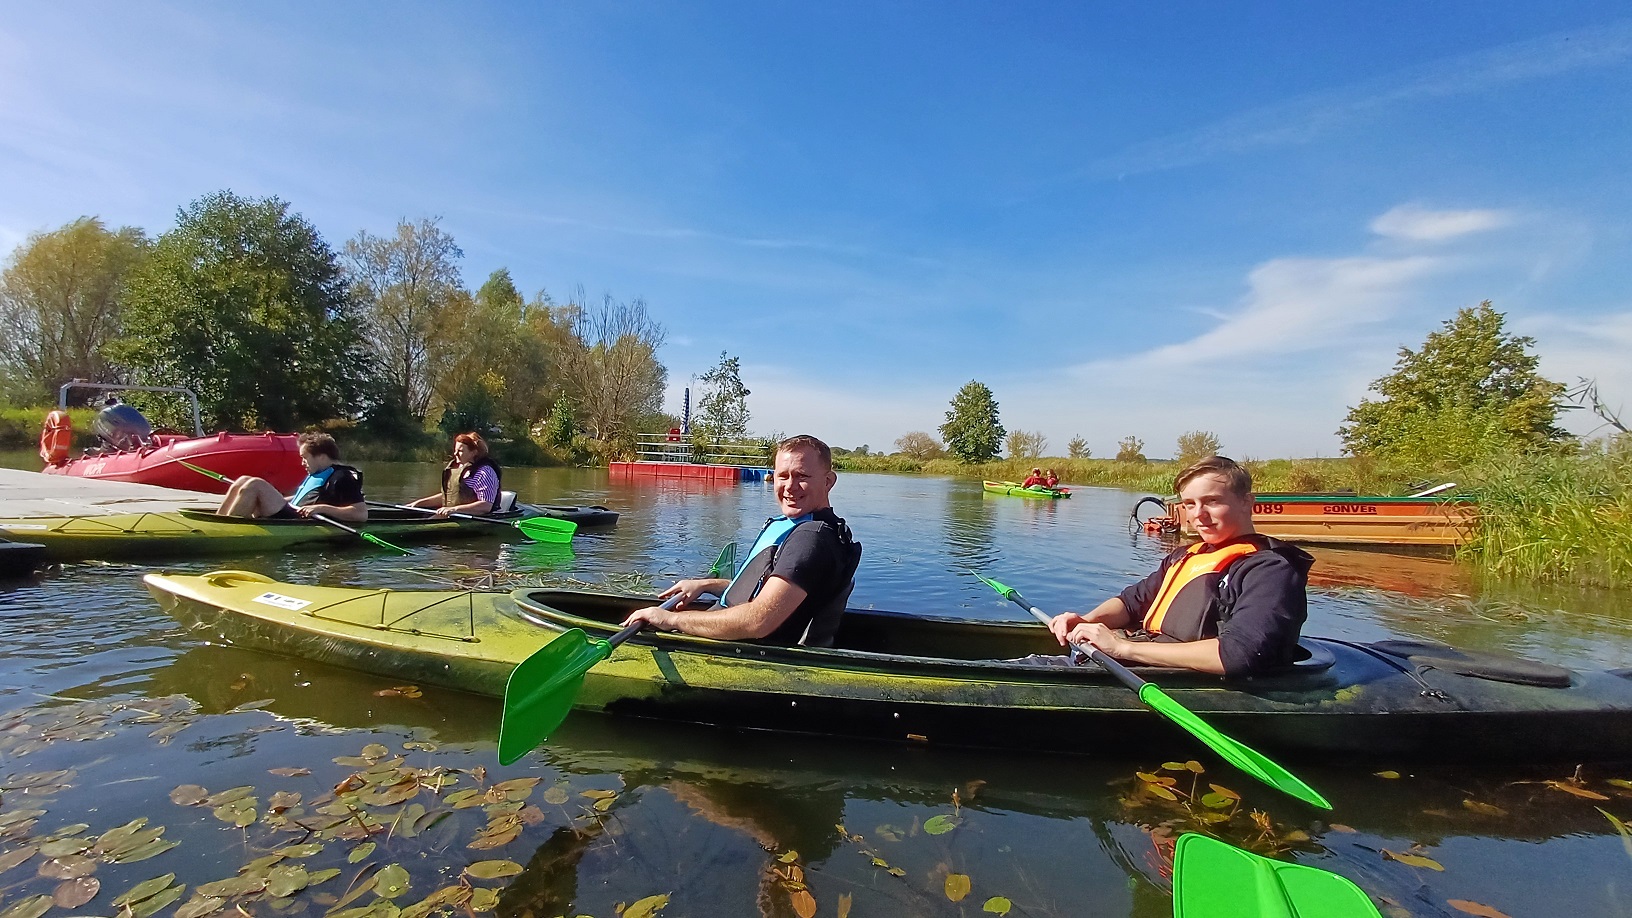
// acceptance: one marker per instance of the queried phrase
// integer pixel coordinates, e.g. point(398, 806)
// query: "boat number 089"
point(1268, 508)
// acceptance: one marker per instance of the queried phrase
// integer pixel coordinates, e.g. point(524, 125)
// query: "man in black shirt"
point(793, 587)
point(1232, 604)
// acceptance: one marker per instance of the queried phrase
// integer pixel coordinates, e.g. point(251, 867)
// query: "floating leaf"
point(361, 851)
point(1474, 908)
point(112, 838)
point(804, 904)
point(16, 856)
point(497, 833)
point(1390, 775)
point(391, 882)
point(188, 795)
point(306, 850)
point(158, 901)
point(1413, 860)
point(144, 889)
point(957, 886)
point(466, 798)
point(483, 899)
point(74, 893)
point(1619, 782)
point(407, 824)
point(493, 870)
point(229, 795)
point(71, 867)
point(32, 907)
point(1483, 809)
point(516, 788)
point(942, 824)
point(356, 893)
point(1217, 801)
point(896, 872)
point(556, 795)
point(997, 905)
point(199, 906)
point(400, 691)
point(1162, 780)
point(286, 880)
point(290, 772)
point(375, 751)
point(419, 746)
point(1569, 788)
point(604, 804)
point(789, 857)
point(240, 813)
point(283, 800)
point(597, 794)
point(844, 905)
point(647, 907)
point(1160, 791)
point(63, 847)
point(241, 885)
point(153, 848)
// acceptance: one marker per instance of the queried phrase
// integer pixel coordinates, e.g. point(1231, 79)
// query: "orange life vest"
point(1183, 607)
point(55, 438)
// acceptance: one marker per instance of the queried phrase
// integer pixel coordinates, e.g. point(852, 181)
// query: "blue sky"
point(1144, 221)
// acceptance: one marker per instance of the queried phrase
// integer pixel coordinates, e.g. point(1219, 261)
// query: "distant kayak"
point(583, 516)
point(1015, 489)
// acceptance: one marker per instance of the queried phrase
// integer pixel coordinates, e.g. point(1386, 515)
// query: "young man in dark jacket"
point(1232, 604)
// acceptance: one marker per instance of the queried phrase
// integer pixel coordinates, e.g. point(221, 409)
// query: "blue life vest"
point(776, 531)
point(312, 483)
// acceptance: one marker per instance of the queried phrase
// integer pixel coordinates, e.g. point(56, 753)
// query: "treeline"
point(245, 303)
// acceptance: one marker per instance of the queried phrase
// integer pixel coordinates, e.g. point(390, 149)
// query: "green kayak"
point(1014, 489)
point(932, 679)
point(189, 532)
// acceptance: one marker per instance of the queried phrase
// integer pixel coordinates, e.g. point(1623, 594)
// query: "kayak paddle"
point(1241, 756)
point(537, 528)
point(542, 688)
point(1212, 879)
point(365, 536)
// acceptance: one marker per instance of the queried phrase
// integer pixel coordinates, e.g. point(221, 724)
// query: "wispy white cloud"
point(1292, 305)
point(1305, 118)
point(1415, 223)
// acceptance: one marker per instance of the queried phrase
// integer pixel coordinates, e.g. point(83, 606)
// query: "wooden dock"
point(25, 495)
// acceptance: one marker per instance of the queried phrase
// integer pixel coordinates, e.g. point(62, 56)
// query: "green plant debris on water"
point(386, 831)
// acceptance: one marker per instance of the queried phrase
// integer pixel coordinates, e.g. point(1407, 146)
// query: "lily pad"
point(647, 907)
point(484, 899)
point(113, 838)
point(361, 851)
point(306, 850)
point(71, 867)
point(286, 881)
point(158, 901)
point(391, 882)
point(241, 885)
point(16, 857)
point(556, 795)
point(229, 795)
point(942, 824)
point(199, 906)
point(153, 848)
point(997, 905)
point(957, 886)
point(188, 795)
point(375, 751)
point(32, 907)
point(144, 889)
point(321, 876)
point(74, 893)
point(493, 870)
point(63, 847)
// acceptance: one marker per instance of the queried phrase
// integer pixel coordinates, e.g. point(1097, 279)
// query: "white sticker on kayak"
point(18, 527)
point(282, 601)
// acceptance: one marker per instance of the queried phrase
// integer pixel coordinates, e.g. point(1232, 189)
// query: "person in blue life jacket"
point(330, 489)
point(793, 587)
point(1232, 604)
point(470, 480)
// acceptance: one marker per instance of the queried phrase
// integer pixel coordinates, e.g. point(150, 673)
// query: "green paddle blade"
point(726, 564)
point(547, 529)
point(1241, 756)
point(541, 690)
point(1214, 880)
point(370, 537)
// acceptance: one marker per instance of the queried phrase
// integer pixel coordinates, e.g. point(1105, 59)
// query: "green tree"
point(610, 368)
point(244, 303)
point(486, 344)
point(972, 431)
point(1471, 376)
point(1130, 449)
point(1195, 446)
point(62, 298)
point(405, 285)
point(1027, 444)
point(722, 408)
point(919, 445)
point(1077, 448)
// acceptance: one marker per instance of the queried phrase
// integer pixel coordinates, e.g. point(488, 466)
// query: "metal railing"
point(660, 448)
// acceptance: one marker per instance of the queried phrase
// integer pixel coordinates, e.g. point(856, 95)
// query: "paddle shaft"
point(1109, 664)
point(459, 516)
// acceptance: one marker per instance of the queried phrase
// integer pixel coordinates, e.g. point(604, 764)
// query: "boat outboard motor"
point(122, 426)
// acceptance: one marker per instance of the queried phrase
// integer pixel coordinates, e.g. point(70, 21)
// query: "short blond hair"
point(806, 441)
point(1237, 478)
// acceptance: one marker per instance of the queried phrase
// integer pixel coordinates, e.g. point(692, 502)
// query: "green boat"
point(1014, 489)
point(928, 679)
point(190, 532)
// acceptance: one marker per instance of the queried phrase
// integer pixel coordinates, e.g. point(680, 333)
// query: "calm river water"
point(114, 715)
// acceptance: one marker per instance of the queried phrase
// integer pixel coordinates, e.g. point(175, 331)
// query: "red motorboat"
point(131, 451)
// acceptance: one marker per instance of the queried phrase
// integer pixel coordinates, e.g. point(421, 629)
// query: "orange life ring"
point(55, 438)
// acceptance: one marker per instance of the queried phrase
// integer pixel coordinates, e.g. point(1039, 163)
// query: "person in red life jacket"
point(331, 489)
point(470, 480)
point(1232, 604)
point(1034, 480)
point(1050, 480)
point(798, 576)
